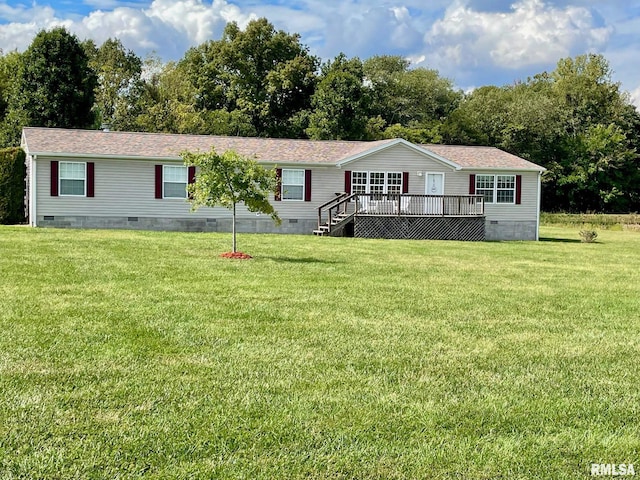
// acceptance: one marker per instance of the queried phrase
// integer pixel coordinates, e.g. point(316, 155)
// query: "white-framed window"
point(292, 184)
point(505, 189)
point(485, 185)
point(394, 182)
point(174, 181)
point(496, 188)
point(73, 178)
point(359, 182)
point(376, 182)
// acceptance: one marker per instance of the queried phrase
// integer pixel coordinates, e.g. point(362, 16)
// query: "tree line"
point(575, 121)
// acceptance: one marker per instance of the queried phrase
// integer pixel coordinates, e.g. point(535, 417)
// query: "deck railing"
point(419, 205)
point(341, 205)
point(344, 206)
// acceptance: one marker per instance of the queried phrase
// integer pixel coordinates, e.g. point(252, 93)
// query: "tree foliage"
point(411, 101)
point(229, 179)
point(341, 102)
point(259, 81)
point(574, 121)
point(267, 75)
point(118, 77)
point(56, 83)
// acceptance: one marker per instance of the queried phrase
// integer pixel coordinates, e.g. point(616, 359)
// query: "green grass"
point(144, 354)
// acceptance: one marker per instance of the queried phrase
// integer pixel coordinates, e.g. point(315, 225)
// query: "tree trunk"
point(233, 227)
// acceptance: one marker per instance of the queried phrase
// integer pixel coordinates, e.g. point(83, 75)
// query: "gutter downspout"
point(32, 191)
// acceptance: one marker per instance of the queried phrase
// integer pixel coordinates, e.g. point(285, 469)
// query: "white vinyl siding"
point(73, 179)
point(127, 188)
point(174, 180)
point(292, 184)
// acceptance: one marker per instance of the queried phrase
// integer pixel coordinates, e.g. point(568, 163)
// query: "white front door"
point(434, 186)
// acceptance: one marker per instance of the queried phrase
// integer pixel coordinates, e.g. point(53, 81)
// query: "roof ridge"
point(204, 136)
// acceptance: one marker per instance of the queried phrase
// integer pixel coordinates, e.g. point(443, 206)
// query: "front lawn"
point(145, 354)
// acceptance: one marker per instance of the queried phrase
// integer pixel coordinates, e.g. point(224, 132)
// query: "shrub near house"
point(12, 188)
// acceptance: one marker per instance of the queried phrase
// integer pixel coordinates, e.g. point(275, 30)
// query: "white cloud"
point(194, 19)
point(532, 33)
point(25, 23)
point(474, 42)
point(166, 26)
point(635, 97)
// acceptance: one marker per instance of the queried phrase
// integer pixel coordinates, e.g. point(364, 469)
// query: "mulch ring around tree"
point(236, 255)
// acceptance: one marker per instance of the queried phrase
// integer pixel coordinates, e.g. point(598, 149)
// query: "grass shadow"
point(559, 240)
point(303, 260)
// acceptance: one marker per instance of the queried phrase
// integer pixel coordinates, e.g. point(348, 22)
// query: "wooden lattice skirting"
point(420, 228)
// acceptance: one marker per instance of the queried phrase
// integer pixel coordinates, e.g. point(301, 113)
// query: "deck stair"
point(337, 223)
point(335, 216)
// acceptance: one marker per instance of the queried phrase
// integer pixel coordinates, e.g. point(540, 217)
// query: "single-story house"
point(387, 188)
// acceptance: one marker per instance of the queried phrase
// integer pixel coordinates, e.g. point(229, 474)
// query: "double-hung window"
point(485, 185)
point(73, 178)
point(505, 188)
point(293, 184)
point(175, 179)
point(497, 188)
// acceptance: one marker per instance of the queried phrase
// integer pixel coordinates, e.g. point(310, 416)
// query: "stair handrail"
point(341, 199)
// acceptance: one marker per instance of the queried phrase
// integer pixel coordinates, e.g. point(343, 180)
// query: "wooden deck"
point(442, 217)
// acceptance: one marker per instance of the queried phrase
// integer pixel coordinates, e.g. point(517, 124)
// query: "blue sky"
point(472, 42)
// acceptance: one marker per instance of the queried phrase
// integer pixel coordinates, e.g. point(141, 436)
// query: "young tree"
point(228, 179)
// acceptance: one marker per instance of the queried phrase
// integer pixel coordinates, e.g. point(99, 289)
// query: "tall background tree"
point(340, 102)
point(12, 119)
point(118, 79)
point(266, 75)
point(574, 121)
point(56, 84)
point(411, 102)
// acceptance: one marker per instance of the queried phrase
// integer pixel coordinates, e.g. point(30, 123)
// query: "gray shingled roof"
point(53, 141)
